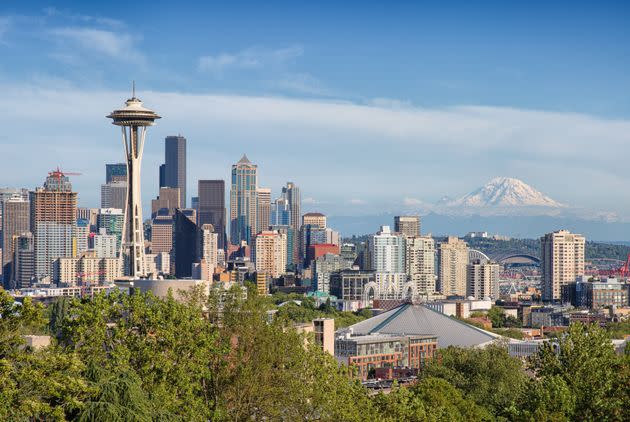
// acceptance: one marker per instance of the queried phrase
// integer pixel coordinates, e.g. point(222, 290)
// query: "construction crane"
point(58, 174)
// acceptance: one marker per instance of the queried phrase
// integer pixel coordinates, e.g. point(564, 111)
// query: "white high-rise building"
point(482, 280)
point(208, 247)
point(562, 261)
point(453, 259)
point(420, 263)
point(387, 251)
point(324, 266)
point(105, 245)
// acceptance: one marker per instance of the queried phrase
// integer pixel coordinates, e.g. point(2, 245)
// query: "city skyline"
point(529, 123)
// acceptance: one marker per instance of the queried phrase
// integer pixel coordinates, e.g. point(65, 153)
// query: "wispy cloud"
point(357, 201)
point(250, 58)
point(84, 19)
point(5, 23)
point(114, 45)
point(309, 201)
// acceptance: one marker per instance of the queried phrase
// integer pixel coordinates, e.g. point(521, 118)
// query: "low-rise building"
point(366, 353)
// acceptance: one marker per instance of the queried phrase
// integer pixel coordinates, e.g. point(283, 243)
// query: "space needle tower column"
point(133, 120)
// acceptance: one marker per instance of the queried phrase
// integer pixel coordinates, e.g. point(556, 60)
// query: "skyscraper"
point(185, 241)
point(111, 220)
point(562, 261)
point(453, 258)
point(15, 220)
point(482, 279)
point(387, 251)
point(175, 165)
point(53, 222)
point(270, 253)
point(243, 201)
point(208, 246)
point(264, 209)
point(168, 199)
point(212, 207)
point(291, 193)
point(114, 194)
point(280, 214)
point(24, 260)
point(116, 172)
point(420, 263)
point(133, 119)
point(408, 225)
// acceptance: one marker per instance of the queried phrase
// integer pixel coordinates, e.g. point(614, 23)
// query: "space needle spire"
point(133, 120)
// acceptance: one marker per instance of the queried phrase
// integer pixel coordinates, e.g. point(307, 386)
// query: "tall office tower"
point(82, 235)
point(163, 176)
point(291, 193)
point(116, 172)
point(185, 241)
point(420, 263)
point(288, 232)
point(562, 261)
point(453, 258)
point(482, 279)
point(270, 249)
point(114, 194)
point(168, 199)
point(133, 120)
point(111, 220)
point(208, 246)
point(387, 251)
point(24, 261)
point(212, 207)
point(280, 213)
point(162, 234)
point(243, 201)
point(408, 225)
point(175, 165)
point(194, 204)
point(7, 193)
point(15, 220)
point(53, 222)
point(314, 219)
point(264, 209)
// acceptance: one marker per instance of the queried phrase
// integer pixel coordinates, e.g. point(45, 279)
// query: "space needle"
point(133, 119)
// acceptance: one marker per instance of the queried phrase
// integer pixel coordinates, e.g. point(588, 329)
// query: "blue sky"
point(368, 106)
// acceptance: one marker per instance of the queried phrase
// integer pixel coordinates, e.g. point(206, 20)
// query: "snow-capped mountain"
point(505, 192)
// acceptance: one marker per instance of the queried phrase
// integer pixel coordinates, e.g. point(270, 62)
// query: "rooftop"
point(409, 319)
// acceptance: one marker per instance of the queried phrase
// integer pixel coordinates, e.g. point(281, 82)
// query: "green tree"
point(489, 376)
point(596, 379)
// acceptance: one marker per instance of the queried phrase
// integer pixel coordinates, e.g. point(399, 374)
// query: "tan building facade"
point(314, 219)
point(270, 253)
point(562, 261)
point(420, 263)
point(264, 209)
point(453, 259)
point(482, 280)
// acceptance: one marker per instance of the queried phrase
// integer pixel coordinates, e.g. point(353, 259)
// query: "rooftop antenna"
point(133, 89)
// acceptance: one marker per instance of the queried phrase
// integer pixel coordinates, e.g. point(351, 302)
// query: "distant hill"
point(508, 225)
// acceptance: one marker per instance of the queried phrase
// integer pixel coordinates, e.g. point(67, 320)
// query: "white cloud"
point(357, 201)
point(328, 148)
point(412, 202)
point(88, 19)
point(115, 45)
point(250, 58)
